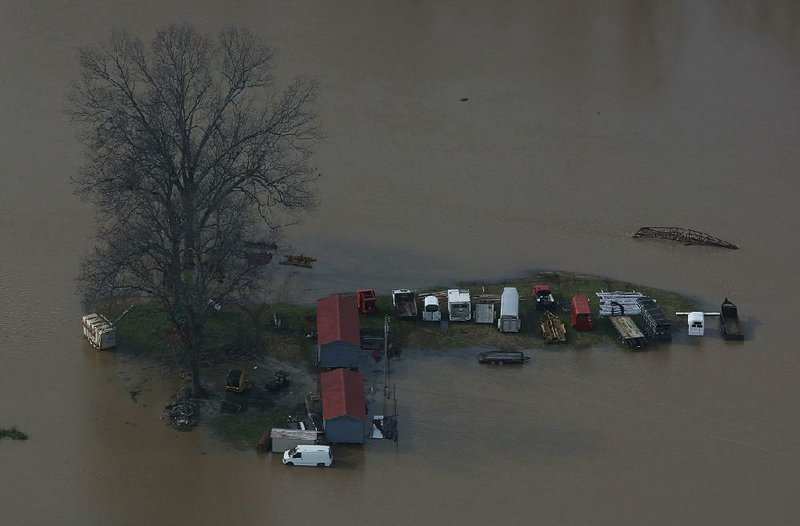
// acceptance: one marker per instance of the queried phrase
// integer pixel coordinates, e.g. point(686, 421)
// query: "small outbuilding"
point(344, 409)
point(338, 332)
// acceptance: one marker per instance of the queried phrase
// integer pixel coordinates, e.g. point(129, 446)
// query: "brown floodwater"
point(584, 121)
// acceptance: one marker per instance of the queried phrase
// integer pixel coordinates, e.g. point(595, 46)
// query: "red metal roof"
point(342, 394)
point(337, 320)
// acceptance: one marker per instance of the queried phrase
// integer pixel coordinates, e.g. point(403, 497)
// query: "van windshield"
point(292, 451)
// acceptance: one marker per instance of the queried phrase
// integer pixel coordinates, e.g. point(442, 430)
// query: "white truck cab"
point(308, 455)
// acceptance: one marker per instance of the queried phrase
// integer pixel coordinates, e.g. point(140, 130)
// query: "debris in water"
point(298, 261)
point(687, 236)
point(463, 99)
point(183, 415)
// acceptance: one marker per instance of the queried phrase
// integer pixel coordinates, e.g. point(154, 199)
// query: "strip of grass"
point(416, 333)
point(12, 433)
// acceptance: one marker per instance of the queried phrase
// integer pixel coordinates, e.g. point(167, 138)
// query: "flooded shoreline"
point(584, 121)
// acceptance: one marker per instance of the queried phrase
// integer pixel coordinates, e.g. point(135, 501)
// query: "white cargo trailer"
point(509, 311)
point(459, 305)
point(430, 309)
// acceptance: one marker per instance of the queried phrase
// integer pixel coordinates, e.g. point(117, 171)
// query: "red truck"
point(543, 297)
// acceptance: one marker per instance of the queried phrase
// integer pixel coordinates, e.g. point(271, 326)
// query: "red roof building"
point(344, 407)
point(338, 332)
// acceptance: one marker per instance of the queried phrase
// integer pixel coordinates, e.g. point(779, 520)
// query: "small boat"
point(502, 357)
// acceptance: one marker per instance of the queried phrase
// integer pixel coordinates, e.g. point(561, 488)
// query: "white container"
point(509, 311)
point(459, 306)
point(99, 331)
point(308, 455)
point(697, 323)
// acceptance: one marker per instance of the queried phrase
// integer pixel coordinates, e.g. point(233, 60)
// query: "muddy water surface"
point(583, 122)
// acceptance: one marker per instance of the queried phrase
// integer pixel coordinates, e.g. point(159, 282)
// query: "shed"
point(338, 332)
point(344, 409)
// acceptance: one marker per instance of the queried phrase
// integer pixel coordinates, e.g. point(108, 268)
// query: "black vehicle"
point(502, 357)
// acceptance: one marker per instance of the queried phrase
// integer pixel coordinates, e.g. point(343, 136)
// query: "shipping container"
point(581, 313)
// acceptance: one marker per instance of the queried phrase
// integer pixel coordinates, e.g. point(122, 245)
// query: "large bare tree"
point(195, 159)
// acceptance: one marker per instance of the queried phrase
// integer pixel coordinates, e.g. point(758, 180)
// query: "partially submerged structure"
point(338, 332)
point(628, 332)
point(729, 324)
point(100, 332)
point(344, 409)
point(687, 236)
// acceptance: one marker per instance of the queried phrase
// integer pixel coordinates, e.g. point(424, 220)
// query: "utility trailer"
point(628, 332)
point(729, 325)
point(502, 357)
point(405, 303)
point(430, 309)
point(509, 311)
point(100, 332)
point(459, 305)
point(553, 329)
point(654, 322)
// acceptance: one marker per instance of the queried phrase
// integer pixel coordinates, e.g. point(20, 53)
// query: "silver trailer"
point(459, 305)
point(509, 311)
point(283, 439)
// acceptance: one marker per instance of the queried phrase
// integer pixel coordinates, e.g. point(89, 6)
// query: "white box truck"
point(509, 311)
point(459, 306)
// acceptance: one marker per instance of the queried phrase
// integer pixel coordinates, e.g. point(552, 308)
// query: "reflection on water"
point(584, 121)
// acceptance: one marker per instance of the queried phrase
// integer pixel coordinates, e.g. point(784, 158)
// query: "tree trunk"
point(194, 358)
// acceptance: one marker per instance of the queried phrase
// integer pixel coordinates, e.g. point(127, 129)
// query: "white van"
point(308, 455)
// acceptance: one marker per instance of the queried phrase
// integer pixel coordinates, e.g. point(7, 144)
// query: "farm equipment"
point(279, 381)
point(237, 381)
point(366, 300)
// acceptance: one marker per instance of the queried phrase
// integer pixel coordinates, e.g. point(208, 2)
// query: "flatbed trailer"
point(553, 329)
point(502, 357)
point(629, 333)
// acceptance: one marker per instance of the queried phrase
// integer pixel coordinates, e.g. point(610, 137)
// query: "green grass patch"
point(243, 430)
point(416, 333)
point(12, 433)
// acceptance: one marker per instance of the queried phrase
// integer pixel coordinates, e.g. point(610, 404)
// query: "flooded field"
point(583, 122)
